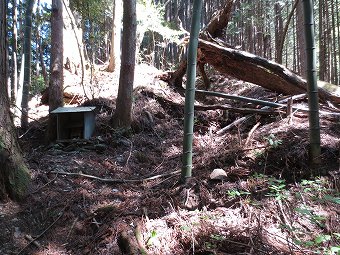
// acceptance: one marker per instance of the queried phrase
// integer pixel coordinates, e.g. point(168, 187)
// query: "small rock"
point(17, 232)
point(100, 139)
point(120, 159)
point(218, 174)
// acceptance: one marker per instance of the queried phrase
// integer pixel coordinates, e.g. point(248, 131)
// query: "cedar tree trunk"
point(27, 61)
point(14, 177)
point(123, 116)
point(56, 78)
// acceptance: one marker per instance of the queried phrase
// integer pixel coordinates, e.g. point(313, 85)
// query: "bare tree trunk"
point(301, 41)
point(278, 31)
point(14, 76)
point(284, 33)
point(27, 68)
point(123, 114)
point(322, 44)
point(334, 74)
point(42, 63)
point(39, 49)
point(116, 36)
point(112, 63)
point(56, 80)
point(14, 176)
point(338, 32)
point(328, 41)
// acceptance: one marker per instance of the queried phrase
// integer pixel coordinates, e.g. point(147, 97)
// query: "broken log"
point(219, 21)
point(214, 29)
point(254, 69)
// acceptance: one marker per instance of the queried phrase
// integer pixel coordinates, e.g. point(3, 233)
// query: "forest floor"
point(118, 193)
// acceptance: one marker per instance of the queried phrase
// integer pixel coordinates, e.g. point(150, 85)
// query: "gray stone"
point(218, 174)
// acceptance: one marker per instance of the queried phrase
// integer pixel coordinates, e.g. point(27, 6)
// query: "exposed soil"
point(99, 196)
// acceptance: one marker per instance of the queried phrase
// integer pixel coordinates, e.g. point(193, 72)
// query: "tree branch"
point(109, 180)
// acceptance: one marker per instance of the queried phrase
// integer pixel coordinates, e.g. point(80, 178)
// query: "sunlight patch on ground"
point(52, 249)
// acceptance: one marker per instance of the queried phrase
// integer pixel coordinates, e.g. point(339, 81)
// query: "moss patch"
point(18, 179)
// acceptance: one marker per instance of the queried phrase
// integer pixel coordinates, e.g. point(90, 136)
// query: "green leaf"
point(336, 235)
point(185, 228)
point(332, 199)
point(153, 233)
point(217, 237)
point(335, 250)
point(322, 238)
point(318, 217)
point(303, 211)
point(308, 243)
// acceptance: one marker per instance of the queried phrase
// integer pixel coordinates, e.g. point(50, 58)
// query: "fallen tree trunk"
point(219, 21)
point(251, 68)
point(242, 65)
point(214, 29)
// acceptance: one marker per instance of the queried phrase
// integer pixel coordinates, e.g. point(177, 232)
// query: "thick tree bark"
point(27, 67)
point(322, 42)
point(14, 177)
point(14, 74)
point(42, 63)
point(251, 68)
point(56, 80)
point(302, 64)
point(123, 114)
point(278, 30)
point(39, 48)
point(220, 20)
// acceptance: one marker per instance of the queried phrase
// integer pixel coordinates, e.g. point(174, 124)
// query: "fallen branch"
point(235, 109)
point(264, 110)
point(109, 180)
point(239, 98)
point(72, 227)
point(32, 241)
point(236, 122)
point(251, 132)
point(167, 101)
point(262, 102)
